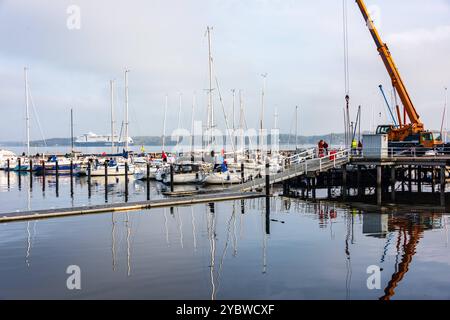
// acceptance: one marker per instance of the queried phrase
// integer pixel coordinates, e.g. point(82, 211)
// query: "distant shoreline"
point(156, 141)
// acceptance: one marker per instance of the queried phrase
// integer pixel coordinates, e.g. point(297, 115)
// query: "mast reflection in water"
point(252, 249)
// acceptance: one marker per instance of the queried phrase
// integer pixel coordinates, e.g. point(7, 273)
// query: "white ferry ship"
point(93, 140)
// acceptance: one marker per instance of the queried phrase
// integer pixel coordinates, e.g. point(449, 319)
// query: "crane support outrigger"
point(407, 133)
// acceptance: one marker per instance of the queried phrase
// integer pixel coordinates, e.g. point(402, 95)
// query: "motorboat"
point(6, 155)
point(140, 172)
point(65, 166)
point(184, 173)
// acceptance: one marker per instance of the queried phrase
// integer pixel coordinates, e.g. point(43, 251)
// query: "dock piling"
point(403, 178)
point(106, 180)
point(433, 180)
point(43, 175)
point(171, 177)
point(148, 181)
point(344, 181)
point(359, 182)
point(419, 179)
point(31, 174)
point(8, 178)
point(57, 178)
point(89, 168)
point(267, 180)
point(379, 184)
point(126, 181)
point(443, 180)
point(267, 215)
point(393, 182)
point(410, 178)
point(308, 187)
point(71, 178)
point(329, 178)
point(314, 185)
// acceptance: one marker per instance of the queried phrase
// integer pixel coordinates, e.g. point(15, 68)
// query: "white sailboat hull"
point(222, 178)
point(183, 178)
point(141, 174)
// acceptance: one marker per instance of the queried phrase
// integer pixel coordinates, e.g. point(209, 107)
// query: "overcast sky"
point(298, 43)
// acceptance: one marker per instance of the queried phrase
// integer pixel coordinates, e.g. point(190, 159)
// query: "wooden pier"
point(383, 180)
point(132, 206)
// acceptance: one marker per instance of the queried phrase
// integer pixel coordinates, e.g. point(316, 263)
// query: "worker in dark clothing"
point(325, 147)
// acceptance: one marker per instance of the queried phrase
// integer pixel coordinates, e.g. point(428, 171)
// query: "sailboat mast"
point(446, 114)
point(275, 120)
point(261, 124)
point(296, 127)
point(126, 110)
point(192, 123)
point(210, 100)
point(27, 110)
point(241, 121)
point(233, 135)
point(263, 92)
point(234, 101)
point(179, 118)
point(164, 123)
point(71, 130)
point(112, 115)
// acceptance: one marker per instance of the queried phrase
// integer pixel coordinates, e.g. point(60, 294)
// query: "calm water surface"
point(226, 250)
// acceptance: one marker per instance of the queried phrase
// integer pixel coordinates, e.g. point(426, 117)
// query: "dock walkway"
point(304, 168)
point(113, 207)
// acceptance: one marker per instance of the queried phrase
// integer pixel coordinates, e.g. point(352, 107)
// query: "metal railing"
point(292, 170)
point(398, 152)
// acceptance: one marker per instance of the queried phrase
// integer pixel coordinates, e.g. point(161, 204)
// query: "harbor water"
point(225, 250)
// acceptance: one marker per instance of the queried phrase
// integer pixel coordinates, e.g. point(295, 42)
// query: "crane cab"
point(424, 139)
point(384, 129)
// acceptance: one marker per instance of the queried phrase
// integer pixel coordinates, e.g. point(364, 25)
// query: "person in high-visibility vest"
point(354, 146)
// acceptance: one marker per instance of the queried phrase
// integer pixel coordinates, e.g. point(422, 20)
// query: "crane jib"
point(389, 63)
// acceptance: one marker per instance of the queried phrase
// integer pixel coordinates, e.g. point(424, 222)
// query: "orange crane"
point(406, 133)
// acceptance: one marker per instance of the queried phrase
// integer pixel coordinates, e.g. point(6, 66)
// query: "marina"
point(201, 169)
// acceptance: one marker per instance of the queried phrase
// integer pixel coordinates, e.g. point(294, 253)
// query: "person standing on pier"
point(320, 149)
point(354, 146)
point(325, 147)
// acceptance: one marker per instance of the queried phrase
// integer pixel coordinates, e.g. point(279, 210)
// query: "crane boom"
point(389, 63)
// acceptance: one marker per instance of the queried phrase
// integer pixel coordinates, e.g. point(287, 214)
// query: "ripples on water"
point(224, 250)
